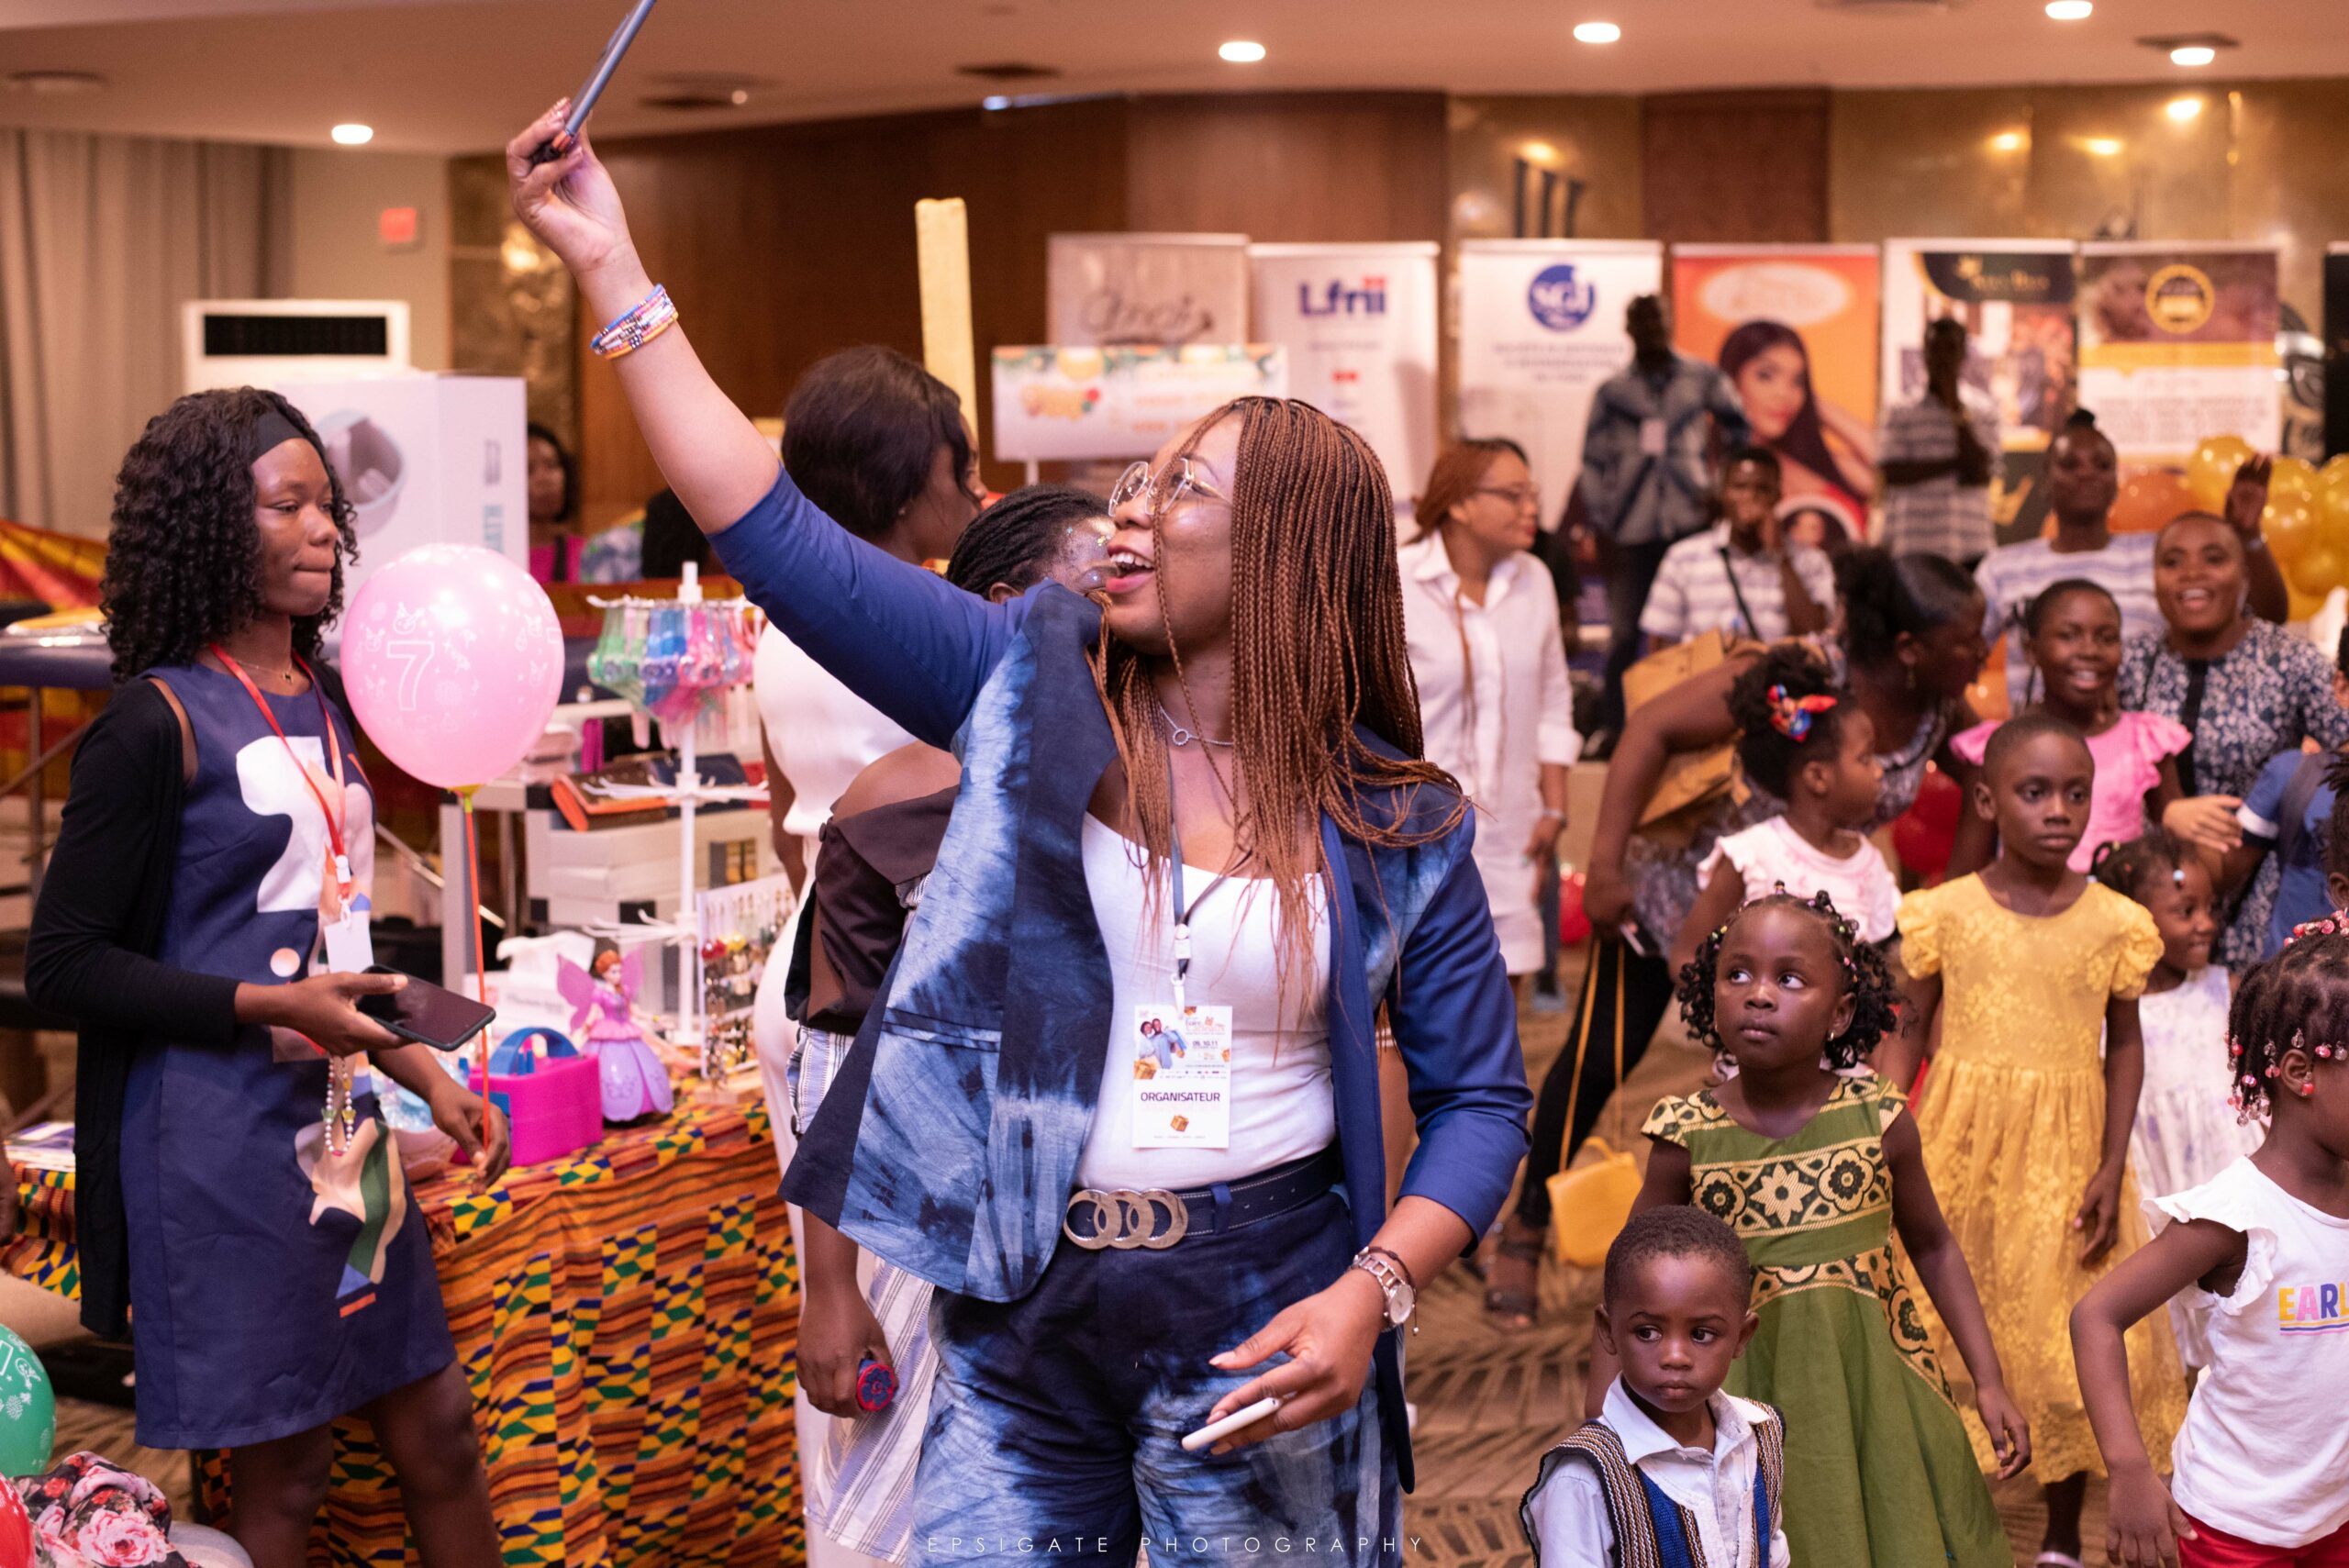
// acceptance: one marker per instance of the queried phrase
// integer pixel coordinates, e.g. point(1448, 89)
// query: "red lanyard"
point(332, 747)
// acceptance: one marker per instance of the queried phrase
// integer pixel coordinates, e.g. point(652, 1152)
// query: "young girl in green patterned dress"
point(1807, 1155)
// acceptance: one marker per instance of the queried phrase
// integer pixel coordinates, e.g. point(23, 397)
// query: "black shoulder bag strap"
point(2190, 714)
point(1753, 627)
point(2292, 816)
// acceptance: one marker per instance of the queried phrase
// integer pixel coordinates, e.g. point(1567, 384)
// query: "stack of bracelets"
point(634, 328)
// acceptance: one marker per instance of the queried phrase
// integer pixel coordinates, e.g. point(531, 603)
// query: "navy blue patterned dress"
point(265, 1301)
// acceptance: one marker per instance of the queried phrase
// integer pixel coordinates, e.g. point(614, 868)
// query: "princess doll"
point(635, 1081)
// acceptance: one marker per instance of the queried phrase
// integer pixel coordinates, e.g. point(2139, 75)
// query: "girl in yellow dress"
point(2025, 1132)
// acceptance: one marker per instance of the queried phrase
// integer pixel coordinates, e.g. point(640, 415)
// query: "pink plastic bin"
point(551, 1095)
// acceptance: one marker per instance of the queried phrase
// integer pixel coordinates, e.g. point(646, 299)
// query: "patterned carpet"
point(1489, 1403)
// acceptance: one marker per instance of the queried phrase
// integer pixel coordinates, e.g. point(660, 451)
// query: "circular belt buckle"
point(1179, 1223)
point(1104, 1215)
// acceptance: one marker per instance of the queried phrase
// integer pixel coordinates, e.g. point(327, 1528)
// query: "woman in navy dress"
point(234, 1185)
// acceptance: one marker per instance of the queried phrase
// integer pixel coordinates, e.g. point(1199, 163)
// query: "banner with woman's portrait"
point(1794, 328)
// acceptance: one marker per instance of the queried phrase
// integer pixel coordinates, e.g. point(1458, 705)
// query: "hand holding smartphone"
point(583, 103)
point(427, 1014)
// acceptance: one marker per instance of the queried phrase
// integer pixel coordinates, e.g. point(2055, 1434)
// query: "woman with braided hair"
point(1197, 799)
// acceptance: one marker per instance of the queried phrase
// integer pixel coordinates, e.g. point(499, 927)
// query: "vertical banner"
point(1794, 328)
point(1359, 323)
point(2177, 343)
point(1541, 326)
point(1106, 289)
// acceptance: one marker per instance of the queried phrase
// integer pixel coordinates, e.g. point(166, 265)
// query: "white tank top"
point(1281, 1106)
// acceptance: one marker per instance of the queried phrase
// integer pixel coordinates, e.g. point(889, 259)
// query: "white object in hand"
point(1249, 1417)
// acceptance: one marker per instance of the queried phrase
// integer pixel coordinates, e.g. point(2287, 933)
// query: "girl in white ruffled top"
point(2256, 1470)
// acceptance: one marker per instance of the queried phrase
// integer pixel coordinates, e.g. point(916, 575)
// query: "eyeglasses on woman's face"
point(1161, 492)
point(1522, 497)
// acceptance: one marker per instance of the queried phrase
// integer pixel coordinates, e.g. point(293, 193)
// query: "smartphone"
point(427, 1014)
point(583, 102)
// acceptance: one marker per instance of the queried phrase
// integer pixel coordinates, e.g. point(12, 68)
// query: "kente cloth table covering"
point(628, 1321)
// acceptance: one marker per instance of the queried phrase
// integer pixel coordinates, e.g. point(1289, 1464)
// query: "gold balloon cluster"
point(2306, 520)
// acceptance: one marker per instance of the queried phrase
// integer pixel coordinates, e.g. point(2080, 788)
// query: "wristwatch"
point(1402, 1296)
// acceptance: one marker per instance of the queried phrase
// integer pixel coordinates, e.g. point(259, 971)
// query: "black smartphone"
point(427, 1014)
point(583, 102)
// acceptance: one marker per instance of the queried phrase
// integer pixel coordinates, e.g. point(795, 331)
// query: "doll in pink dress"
point(635, 1082)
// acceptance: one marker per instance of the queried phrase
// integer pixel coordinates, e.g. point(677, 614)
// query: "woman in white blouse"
point(1491, 666)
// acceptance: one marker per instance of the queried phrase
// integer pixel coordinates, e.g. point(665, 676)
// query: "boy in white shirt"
point(1675, 1472)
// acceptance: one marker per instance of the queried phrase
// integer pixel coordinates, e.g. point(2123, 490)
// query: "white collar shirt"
point(1569, 1511)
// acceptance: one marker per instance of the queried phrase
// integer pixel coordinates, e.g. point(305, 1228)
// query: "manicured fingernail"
point(1219, 1359)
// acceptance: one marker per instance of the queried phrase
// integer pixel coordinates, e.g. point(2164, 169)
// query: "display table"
point(628, 1320)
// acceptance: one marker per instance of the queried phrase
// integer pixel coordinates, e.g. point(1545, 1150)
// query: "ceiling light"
point(1242, 51)
point(1597, 32)
point(1540, 153)
point(2183, 109)
point(352, 134)
point(2193, 54)
point(2008, 142)
point(55, 84)
point(2070, 10)
point(2102, 146)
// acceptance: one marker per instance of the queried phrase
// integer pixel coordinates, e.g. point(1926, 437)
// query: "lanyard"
point(1183, 912)
point(333, 749)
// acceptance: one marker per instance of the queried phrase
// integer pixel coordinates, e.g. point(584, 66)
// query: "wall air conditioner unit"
point(269, 342)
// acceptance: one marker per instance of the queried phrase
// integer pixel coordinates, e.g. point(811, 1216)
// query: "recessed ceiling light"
point(2193, 54)
point(1242, 51)
point(2008, 142)
point(353, 135)
point(2070, 10)
point(2102, 146)
point(1597, 32)
point(55, 84)
point(2183, 109)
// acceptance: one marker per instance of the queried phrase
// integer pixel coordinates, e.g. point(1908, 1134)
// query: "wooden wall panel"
point(1739, 166)
point(784, 243)
point(1290, 166)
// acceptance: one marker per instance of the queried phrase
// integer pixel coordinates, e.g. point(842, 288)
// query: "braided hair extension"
point(1876, 998)
point(1318, 648)
point(2135, 868)
point(2298, 1000)
point(184, 560)
point(1013, 541)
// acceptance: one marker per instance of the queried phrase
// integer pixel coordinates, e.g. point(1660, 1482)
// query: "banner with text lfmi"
point(1794, 328)
point(1146, 288)
point(1360, 324)
point(1541, 326)
point(2178, 341)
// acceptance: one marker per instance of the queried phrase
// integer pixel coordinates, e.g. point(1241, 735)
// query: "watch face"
point(1400, 1303)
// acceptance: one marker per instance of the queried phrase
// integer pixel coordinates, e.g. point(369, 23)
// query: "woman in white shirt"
point(1491, 665)
point(882, 446)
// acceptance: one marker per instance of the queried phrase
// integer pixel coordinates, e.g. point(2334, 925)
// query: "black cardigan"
point(91, 958)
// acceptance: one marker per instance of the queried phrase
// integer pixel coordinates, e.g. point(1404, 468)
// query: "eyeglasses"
point(1518, 496)
point(1161, 492)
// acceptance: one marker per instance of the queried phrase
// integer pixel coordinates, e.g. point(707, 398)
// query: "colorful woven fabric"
point(628, 1321)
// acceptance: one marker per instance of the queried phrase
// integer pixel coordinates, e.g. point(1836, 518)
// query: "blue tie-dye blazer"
point(949, 1143)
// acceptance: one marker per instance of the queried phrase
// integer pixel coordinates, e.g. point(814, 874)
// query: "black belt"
point(1157, 1218)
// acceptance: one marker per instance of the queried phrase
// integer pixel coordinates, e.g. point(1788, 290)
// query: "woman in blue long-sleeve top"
point(1198, 797)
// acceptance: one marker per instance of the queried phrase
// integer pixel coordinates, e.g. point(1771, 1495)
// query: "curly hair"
point(2298, 1000)
point(184, 560)
point(1770, 758)
point(1876, 999)
point(2135, 868)
point(1674, 1231)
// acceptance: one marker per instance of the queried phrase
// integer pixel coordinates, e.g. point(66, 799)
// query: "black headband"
point(271, 431)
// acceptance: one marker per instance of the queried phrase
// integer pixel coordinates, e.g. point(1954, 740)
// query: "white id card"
point(1651, 437)
point(350, 950)
point(1182, 1076)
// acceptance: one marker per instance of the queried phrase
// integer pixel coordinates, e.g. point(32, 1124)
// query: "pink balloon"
point(453, 660)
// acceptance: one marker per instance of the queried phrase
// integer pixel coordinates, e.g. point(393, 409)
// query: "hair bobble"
point(1791, 715)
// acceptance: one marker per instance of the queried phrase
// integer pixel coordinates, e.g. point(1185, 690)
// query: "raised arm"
point(900, 637)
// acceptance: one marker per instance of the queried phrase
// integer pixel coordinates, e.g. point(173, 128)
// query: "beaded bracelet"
point(632, 329)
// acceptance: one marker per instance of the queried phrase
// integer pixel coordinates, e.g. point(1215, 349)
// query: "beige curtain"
point(102, 239)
